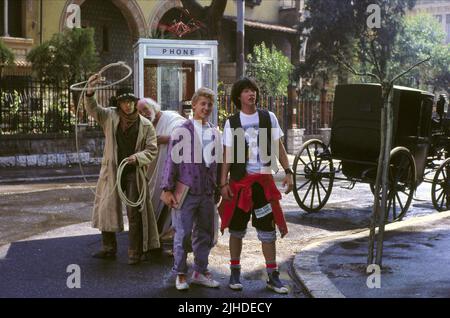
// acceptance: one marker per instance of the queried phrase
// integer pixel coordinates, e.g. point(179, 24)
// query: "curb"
point(40, 179)
point(306, 262)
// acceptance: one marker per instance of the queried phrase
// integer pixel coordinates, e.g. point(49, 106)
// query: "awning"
point(264, 26)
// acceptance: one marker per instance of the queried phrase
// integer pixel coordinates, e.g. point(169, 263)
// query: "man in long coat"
point(131, 136)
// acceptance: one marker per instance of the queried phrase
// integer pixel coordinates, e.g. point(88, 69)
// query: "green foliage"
point(337, 30)
point(6, 55)
point(51, 117)
point(422, 37)
point(270, 68)
point(67, 57)
point(15, 118)
point(223, 114)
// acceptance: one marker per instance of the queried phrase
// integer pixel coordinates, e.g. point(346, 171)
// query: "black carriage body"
point(355, 134)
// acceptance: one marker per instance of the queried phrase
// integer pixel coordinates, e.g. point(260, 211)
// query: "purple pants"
point(195, 219)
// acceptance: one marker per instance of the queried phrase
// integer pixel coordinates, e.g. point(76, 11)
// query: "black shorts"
point(240, 218)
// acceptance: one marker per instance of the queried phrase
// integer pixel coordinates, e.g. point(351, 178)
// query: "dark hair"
point(239, 86)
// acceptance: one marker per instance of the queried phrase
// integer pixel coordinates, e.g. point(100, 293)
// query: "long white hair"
point(152, 106)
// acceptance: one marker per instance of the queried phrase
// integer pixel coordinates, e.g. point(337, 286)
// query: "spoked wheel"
point(402, 183)
point(440, 189)
point(313, 176)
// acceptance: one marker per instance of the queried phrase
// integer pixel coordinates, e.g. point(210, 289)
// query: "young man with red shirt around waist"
point(252, 138)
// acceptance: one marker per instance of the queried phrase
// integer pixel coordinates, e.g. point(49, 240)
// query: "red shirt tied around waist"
point(242, 198)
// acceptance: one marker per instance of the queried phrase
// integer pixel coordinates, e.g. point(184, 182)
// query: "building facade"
point(119, 24)
point(440, 9)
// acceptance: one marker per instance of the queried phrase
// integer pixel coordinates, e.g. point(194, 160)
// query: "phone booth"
point(169, 71)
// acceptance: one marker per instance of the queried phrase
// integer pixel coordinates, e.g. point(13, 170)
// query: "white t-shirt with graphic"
point(250, 124)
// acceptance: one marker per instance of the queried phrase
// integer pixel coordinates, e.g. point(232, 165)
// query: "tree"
point(67, 57)
point(270, 68)
point(338, 30)
point(423, 37)
point(6, 57)
point(210, 15)
point(331, 28)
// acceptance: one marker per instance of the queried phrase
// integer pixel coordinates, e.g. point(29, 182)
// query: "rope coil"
point(142, 179)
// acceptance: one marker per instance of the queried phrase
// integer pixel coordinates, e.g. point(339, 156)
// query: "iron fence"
point(310, 115)
point(28, 106)
point(31, 107)
point(276, 104)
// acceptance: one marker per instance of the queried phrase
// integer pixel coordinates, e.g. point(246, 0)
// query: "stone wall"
point(50, 150)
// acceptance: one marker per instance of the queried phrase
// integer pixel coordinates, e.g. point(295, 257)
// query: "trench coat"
point(107, 214)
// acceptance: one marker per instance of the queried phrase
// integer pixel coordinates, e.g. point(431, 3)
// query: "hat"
point(125, 93)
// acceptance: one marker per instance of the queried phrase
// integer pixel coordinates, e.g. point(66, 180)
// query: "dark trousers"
point(135, 233)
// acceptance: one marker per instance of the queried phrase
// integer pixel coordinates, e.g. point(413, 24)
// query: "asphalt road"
point(36, 267)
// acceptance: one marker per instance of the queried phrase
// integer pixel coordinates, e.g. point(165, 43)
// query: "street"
point(45, 227)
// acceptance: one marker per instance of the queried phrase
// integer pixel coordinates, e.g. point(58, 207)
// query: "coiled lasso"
point(141, 172)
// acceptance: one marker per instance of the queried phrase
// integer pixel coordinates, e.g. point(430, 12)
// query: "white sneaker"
point(204, 280)
point(181, 285)
point(274, 283)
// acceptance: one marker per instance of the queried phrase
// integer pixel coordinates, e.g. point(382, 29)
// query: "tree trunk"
point(388, 98)
point(378, 185)
point(380, 207)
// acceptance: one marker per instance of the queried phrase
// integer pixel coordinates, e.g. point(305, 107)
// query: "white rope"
point(76, 87)
point(143, 188)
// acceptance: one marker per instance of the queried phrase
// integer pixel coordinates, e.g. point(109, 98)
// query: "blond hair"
point(205, 92)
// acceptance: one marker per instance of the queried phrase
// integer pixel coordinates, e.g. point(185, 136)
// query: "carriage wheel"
point(313, 176)
point(440, 189)
point(402, 183)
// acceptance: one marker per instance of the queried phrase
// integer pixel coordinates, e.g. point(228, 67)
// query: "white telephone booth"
point(169, 71)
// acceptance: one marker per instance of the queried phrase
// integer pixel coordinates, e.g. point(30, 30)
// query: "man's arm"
point(170, 172)
point(90, 103)
point(150, 152)
point(289, 178)
point(169, 178)
point(224, 186)
point(163, 140)
point(283, 158)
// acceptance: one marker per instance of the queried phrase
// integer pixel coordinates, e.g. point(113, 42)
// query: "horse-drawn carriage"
point(420, 147)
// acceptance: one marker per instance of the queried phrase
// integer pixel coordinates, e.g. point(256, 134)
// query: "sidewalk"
point(416, 262)
point(44, 174)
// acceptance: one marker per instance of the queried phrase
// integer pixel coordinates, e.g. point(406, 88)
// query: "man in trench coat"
point(131, 136)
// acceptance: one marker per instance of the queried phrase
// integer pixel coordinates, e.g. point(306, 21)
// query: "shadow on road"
point(332, 219)
point(38, 268)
